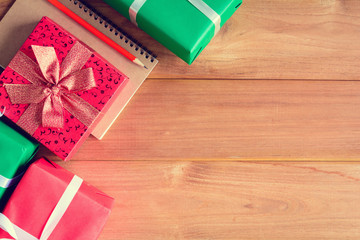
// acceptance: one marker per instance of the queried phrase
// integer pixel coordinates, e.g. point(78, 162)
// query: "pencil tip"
point(138, 62)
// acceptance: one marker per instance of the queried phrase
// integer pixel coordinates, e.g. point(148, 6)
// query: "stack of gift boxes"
point(54, 92)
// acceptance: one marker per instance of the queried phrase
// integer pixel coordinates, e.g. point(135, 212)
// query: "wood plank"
point(242, 120)
point(232, 200)
point(272, 39)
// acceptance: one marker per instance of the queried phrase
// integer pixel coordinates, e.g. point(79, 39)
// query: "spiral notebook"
point(23, 16)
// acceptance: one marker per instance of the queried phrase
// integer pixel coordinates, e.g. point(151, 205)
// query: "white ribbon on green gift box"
point(19, 234)
point(199, 4)
point(134, 9)
point(8, 182)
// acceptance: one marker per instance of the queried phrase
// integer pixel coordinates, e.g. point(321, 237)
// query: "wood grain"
point(235, 120)
point(236, 200)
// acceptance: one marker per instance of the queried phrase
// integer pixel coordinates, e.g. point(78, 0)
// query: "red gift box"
point(57, 89)
point(52, 203)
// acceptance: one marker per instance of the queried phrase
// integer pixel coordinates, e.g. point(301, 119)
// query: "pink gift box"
point(65, 95)
point(65, 207)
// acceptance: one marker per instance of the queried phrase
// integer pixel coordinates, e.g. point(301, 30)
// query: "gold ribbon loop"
point(22, 64)
point(79, 81)
point(48, 63)
point(74, 60)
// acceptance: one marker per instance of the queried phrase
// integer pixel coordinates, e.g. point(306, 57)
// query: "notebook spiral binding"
point(107, 23)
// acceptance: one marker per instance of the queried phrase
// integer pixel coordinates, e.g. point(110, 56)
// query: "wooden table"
point(258, 139)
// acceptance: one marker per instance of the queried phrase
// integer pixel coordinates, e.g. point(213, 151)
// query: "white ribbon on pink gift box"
point(199, 4)
point(19, 234)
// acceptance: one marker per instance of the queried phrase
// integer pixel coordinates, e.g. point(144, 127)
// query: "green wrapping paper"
point(177, 24)
point(16, 151)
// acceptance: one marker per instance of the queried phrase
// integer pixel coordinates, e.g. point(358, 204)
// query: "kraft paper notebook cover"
point(23, 16)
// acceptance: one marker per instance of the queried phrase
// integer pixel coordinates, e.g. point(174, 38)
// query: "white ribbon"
point(8, 182)
point(13, 230)
point(209, 12)
point(19, 234)
point(134, 9)
point(199, 4)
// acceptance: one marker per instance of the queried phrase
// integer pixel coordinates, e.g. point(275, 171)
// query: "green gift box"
point(185, 27)
point(16, 151)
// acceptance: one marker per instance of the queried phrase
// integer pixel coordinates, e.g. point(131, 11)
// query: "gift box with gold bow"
point(56, 88)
